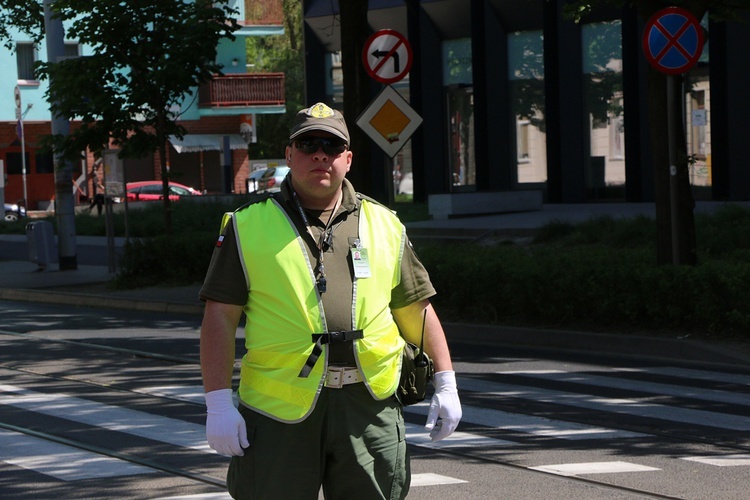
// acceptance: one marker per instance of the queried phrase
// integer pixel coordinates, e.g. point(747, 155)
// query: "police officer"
point(323, 332)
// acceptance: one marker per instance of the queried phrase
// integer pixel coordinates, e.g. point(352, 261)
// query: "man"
point(317, 404)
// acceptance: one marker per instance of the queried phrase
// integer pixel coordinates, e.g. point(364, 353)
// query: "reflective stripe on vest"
point(284, 310)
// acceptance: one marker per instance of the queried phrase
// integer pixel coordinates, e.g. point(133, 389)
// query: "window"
point(522, 140)
point(26, 55)
point(72, 49)
point(15, 163)
point(45, 163)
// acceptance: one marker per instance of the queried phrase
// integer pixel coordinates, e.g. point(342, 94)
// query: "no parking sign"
point(673, 40)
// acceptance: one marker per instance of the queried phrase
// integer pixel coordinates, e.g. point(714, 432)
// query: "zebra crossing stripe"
point(529, 424)
point(419, 436)
point(612, 405)
point(60, 461)
point(638, 385)
point(722, 460)
point(417, 480)
point(593, 468)
point(113, 418)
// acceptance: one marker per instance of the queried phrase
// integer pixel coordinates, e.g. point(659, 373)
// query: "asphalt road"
point(98, 403)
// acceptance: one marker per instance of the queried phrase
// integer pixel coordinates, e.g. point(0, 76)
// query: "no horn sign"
point(673, 40)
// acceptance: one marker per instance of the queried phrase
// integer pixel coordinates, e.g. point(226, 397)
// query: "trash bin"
point(41, 239)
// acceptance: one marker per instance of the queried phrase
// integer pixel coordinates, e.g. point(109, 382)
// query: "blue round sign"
point(673, 40)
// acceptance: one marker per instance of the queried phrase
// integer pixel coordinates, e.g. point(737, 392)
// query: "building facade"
point(212, 157)
point(515, 96)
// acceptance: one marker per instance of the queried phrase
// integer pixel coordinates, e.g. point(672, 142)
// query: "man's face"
point(319, 162)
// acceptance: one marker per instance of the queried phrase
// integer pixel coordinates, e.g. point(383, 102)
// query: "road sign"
point(673, 40)
point(389, 121)
point(387, 56)
point(17, 98)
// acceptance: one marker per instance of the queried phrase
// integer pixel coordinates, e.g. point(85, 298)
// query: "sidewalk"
point(21, 280)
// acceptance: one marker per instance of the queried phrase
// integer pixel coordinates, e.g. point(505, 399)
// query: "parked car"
point(271, 179)
point(13, 212)
point(252, 179)
point(153, 190)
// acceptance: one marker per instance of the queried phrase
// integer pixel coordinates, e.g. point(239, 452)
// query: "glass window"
point(461, 133)
point(45, 163)
point(25, 57)
point(526, 78)
point(603, 98)
point(72, 49)
point(458, 80)
point(15, 163)
point(457, 68)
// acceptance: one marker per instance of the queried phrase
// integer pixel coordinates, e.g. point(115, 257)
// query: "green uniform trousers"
point(351, 445)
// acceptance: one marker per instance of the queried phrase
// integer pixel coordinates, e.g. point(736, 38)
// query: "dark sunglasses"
point(310, 145)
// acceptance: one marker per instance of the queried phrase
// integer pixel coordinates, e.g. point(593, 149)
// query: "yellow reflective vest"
point(284, 309)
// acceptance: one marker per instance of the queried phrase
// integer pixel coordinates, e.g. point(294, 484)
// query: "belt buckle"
point(335, 378)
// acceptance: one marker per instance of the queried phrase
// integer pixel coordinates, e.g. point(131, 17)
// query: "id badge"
point(361, 262)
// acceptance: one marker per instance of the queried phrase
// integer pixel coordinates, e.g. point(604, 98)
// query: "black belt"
point(335, 337)
point(326, 338)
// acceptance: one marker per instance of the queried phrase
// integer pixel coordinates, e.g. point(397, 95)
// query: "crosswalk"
point(668, 395)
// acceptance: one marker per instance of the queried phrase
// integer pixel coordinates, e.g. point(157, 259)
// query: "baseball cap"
point(320, 117)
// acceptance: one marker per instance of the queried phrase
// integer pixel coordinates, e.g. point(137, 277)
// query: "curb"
point(663, 349)
point(86, 300)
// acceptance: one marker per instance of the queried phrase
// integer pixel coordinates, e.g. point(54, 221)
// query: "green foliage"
point(179, 259)
point(279, 54)
point(147, 56)
point(598, 275)
point(25, 15)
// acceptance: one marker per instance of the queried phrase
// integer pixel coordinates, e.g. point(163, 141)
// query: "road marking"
point(722, 460)
point(419, 436)
point(430, 479)
point(60, 461)
point(641, 386)
point(529, 424)
point(417, 480)
point(593, 468)
point(620, 406)
point(113, 418)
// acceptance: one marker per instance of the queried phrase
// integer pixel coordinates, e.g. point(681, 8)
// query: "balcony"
point(263, 13)
point(243, 90)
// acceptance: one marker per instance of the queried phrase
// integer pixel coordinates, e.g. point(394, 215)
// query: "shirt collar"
point(349, 202)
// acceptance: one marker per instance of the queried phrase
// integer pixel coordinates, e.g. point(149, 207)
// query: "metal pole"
point(673, 191)
point(64, 203)
point(23, 164)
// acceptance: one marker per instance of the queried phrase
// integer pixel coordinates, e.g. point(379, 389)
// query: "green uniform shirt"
point(225, 280)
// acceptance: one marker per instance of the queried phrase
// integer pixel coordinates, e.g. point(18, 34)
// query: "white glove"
point(445, 408)
point(225, 428)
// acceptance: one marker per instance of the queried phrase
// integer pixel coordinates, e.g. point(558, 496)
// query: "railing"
point(246, 89)
point(263, 12)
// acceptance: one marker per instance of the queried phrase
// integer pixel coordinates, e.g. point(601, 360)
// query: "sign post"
point(388, 120)
point(20, 134)
point(673, 42)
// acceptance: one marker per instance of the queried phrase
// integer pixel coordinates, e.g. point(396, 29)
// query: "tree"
point(683, 218)
point(25, 15)
point(148, 58)
point(280, 54)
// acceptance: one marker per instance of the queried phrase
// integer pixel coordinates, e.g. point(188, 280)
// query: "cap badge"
point(320, 110)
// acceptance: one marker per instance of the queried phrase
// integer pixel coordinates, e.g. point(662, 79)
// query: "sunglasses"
point(310, 145)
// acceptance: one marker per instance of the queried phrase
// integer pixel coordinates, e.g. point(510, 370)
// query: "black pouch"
point(417, 371)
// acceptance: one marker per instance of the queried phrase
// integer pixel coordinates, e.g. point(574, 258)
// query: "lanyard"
point(326, 237)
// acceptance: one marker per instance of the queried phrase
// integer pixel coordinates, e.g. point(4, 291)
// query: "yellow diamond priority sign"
point(389, 121)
